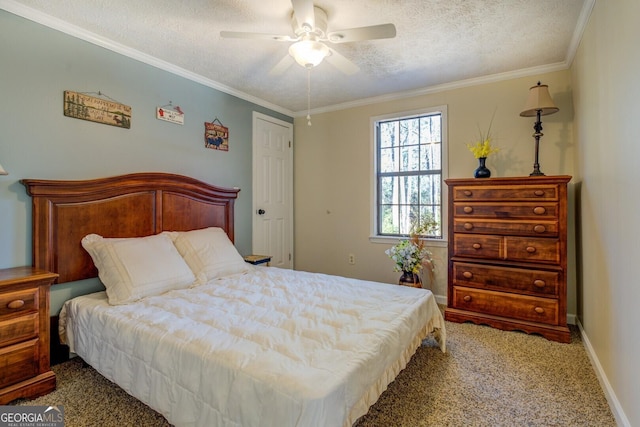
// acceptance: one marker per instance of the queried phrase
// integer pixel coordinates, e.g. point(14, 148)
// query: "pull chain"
point(309, 96)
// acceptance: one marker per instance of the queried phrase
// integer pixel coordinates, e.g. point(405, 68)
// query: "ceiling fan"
point(309, 47)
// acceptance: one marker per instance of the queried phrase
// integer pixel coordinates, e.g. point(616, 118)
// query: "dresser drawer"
point(18, 362)
point(16, 329)
point(18, 302)
point(506, 227)
point(506, 192)
point(533, 250)
point(506, 210)
point(478, 246)
point(521, 307)
point(532, 282)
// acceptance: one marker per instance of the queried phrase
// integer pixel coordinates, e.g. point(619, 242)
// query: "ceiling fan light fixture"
point(309, 53)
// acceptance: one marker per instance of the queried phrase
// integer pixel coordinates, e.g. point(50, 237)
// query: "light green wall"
point(37, 64)
point(333, 169)
point(606, 85)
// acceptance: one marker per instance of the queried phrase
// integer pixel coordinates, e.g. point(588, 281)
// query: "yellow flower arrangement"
point(483, 147)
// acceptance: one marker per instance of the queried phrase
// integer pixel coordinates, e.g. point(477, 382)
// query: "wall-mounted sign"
point(216, 136)
point(169, 113)
point(107, 111)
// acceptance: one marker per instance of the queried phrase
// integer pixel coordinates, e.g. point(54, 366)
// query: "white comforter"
point(269, 348)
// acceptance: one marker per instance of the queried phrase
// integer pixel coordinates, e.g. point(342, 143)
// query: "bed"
point(188, 328)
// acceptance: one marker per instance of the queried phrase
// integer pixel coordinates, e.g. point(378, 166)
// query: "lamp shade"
point(2, 171)
point(309, 53)
point(539, 100)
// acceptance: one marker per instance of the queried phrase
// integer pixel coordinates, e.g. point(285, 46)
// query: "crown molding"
point(583, 20)
point(441, 88)
point(80, 33)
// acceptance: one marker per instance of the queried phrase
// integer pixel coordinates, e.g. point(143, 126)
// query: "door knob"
point(261, 211)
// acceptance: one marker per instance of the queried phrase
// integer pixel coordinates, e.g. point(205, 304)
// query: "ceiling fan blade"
point(342, 63)
point(282, 65)
point(382, 31)
point(303, 11)
point(259, 36)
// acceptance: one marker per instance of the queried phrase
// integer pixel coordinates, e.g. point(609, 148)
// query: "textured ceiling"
point(438, 41)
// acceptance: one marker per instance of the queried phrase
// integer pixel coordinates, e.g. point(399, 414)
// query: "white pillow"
point(209, 252)
point(134, 268)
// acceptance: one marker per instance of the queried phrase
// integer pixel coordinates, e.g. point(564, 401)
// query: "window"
point(409, 157)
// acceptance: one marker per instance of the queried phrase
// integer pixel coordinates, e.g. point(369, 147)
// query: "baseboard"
point(614, 403)
point(58, 352)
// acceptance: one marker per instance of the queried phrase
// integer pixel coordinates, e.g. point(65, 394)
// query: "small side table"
point(24, 333)
point(258, 259)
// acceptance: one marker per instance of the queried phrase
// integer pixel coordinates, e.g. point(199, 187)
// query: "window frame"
point(375, 236)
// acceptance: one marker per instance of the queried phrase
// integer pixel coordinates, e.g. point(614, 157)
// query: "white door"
point(273, 189)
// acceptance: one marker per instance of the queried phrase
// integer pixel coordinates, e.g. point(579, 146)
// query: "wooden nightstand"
point(24, 333)
point(258, 259)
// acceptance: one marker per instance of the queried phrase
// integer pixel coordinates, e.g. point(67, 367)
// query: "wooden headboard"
point(133, 205)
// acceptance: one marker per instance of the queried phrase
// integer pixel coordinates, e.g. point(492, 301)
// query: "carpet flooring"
point(487, 378)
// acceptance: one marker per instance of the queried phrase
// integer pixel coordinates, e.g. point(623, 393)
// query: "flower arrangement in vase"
point(411, 256)
point(481, 150)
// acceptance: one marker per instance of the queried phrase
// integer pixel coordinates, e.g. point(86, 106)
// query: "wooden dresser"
point(508, 254)
point(25, 371)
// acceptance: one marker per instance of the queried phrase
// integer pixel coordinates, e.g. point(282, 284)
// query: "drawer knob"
point(467, 209)
point(531, 249)
point(539, 193)
point(468, 226)
point(466, 298)
point(16, 304)
point(476, 246)
point(467, 275)
point(539, 283)
point(539, 210)
point(539, 228)
point(539, 310)
point(467, 193)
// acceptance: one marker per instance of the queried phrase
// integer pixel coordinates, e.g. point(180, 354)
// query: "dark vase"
point(482, 171)
point(410, 279)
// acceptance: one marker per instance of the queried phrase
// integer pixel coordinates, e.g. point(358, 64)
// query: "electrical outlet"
point(352, 259)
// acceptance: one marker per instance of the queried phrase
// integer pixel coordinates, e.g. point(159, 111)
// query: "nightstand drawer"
point(522, 307)
point(506, 193)
point(506, 227)
point(532, 282)
point(19, 362)
point(18, 302)
point(16, 329)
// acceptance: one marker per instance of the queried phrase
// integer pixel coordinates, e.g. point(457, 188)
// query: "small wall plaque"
point(169, 113)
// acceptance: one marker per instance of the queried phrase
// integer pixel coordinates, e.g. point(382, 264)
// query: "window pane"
point(410, 132)
point(431, 212)
point(388, 190)
point(430, 129)
point(430, 190)
point(410, 158)
point(430, 156)
point(409, 190)
point(389, 160)
point(388, 222)
point(388, 134)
